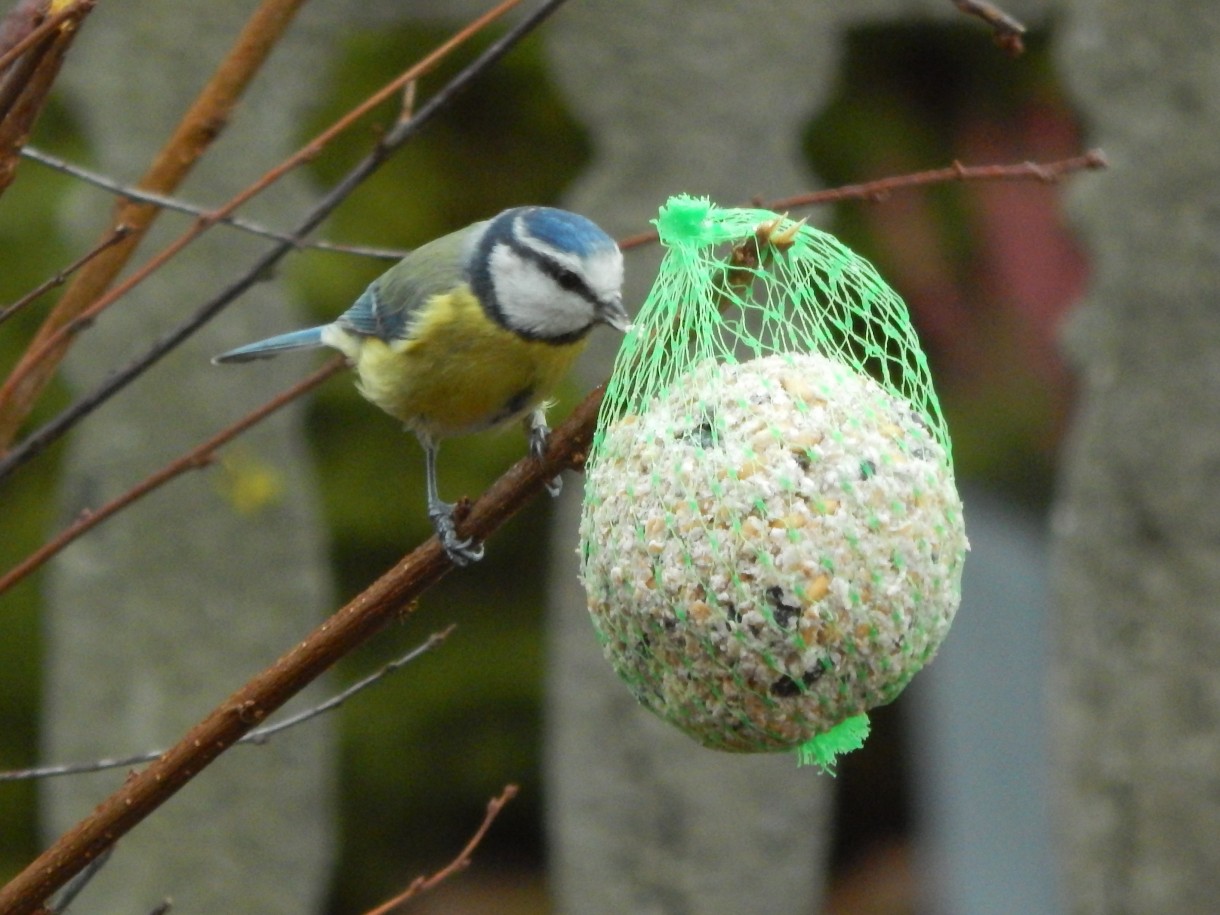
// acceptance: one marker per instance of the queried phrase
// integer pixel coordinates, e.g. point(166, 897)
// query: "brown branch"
point(36, 32)
point(1008, 32)
point(33, 63)
point(194, 459)
point(460, 863)
point(24, 16)
point(198, 129)
point(116, 235)
point(34, 371)
point(879, 190)
point(388, 598)
point(1047, 173)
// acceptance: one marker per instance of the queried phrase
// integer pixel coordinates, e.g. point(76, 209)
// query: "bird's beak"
point(613, 314)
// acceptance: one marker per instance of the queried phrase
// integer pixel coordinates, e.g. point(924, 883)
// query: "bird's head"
point(548, 274)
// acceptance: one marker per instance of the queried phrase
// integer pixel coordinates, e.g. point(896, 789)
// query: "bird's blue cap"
point(566, 231)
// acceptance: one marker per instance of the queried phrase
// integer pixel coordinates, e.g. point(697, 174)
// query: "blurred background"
point(988, 271)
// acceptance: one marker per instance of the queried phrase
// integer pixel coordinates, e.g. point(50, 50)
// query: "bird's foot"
point(462, 551)
point(540, 437)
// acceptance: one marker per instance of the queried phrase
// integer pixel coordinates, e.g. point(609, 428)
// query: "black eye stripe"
point(564, 277)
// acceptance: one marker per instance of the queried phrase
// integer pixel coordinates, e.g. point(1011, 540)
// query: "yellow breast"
point(458, 371)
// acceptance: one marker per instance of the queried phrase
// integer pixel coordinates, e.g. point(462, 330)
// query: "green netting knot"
point(684, 219)
point(771, 536)
point(823, 750)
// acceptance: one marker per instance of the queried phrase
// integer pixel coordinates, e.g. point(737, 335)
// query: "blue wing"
point(386, 308)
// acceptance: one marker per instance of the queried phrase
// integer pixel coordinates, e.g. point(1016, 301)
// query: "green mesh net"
point(771, 536)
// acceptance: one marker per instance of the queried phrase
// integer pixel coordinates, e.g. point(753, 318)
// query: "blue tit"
point(473, 330)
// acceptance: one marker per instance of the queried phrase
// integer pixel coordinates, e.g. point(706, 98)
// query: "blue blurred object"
point(982, 787)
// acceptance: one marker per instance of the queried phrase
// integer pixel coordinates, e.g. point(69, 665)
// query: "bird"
point(473, 330)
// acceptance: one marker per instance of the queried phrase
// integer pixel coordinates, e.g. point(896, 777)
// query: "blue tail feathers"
point(273, 346)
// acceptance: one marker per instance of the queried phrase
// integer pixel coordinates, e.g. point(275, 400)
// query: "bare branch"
point(460, 863)
point(390, 597)
point(194, 459)
point(1008, 32)
point(194, 135)
point(116, 235)
point(42, 30)
point(876, 191)
point(258, 736)
point(73, 887)
point(1046, 173)
point(400, 134)
point(178, 205)
point(29, 68)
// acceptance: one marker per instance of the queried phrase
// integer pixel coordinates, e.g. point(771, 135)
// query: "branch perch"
point(391, 596)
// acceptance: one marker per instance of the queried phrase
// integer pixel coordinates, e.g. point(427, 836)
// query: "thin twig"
point(41, 438)
point(178, 205)
point(258, 736)
point(27, 81)
point(195, 133)
point(73, 887)
point(43, 29)
point(262, 735)
point(1008, 31)
point(879, 190)
point(23, 16)
point(1046, 173)
point(460, 863)
point(194, 459)
point(117, 234)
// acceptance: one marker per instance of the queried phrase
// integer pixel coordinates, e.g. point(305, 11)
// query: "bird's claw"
point(462, 551)
point(540, 437)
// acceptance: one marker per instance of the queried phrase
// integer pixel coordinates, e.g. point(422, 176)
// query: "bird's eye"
point(569, 280)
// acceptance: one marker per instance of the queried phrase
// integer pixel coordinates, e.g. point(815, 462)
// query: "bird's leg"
point(460, 551)
point(539, 434)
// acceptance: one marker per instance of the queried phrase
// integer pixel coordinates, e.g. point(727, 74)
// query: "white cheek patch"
point(530, 301)
point(604, 273)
